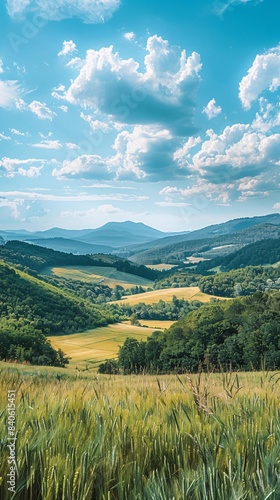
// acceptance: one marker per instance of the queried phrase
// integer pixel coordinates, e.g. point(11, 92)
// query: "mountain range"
point(146, 245)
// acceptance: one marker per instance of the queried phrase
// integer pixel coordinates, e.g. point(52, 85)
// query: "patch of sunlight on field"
point(100, 275)
point(92, 347)
point(161, 267)
point(166, 294)
point(156, 323)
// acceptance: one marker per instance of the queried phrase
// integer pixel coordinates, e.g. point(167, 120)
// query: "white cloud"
point(75, 198)
point(161, 95)
point(84, 167)
point(9, 92)
point(212, 110)
point(41, 110)
point(67, 48)
point(96, 124)
point(129, 36)
point(63, 108)
point(276, 205)
point(46, 144)
point(146, 153)
point(90, 11)
point(72, 145)
point(4, 137)
point(1, 66)
point(28, 168)
point(16, 132)
point(222, 7)
point(199, 194)
point(102, 209)
point(264, 74)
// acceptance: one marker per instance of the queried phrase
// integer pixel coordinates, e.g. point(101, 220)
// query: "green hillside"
point(176, 253)
point(256, 254)
point(243, 333)
point(31, 309)
point(34, 259)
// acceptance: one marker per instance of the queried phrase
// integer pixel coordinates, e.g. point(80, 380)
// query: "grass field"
point(94, 274)
point(92, 347)
point(83, 437)
point(161, 267)
point(166, 294)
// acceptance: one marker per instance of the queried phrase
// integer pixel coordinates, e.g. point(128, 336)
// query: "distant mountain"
point(112, 234)
point(71, 246)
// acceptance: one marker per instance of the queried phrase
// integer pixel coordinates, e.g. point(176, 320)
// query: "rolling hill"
point(262, 252)
point(71, 246)
point(177, 252)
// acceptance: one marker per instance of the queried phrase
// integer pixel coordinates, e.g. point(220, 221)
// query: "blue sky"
point(165, 113)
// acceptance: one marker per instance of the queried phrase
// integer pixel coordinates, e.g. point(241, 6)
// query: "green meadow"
point(167, 294)
point(92, 347)
point(199, 437)
point(97, 274)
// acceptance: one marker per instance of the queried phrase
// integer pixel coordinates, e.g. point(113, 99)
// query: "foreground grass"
point(100, 275)
point(153, 438)
point(167, 294)
point(92, 347)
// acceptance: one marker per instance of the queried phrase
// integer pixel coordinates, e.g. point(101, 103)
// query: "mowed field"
point(97, 274)
point(166, 294)
point(92, 347)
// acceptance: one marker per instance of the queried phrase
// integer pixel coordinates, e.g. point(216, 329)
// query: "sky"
point(165, 113)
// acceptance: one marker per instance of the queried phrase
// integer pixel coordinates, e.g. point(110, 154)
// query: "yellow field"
point(161, 267)
point(188, 293)
point(92, 347)
point(100, 275)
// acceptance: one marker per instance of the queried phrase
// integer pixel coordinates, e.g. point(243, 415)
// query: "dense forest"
point(161, 310)
point(257, 254)
point(242, 334)
point(241, 282)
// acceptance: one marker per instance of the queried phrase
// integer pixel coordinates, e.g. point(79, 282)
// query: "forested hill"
point(177, 252)
point(31, 309)
point(259, 253)
point(35, 258)
point(243, 333)
point(26, 300)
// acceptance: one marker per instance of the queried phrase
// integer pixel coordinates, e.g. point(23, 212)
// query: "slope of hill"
point(176, 253)
point(36, 258)
point(260, 253)
point(31, 309)
point(242, 333)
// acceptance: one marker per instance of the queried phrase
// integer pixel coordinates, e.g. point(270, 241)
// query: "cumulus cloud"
point(161, 95)
point(212, 110)
point(67, 48)
point(41, 110)
point(146, 154)
point(9, 93)
point(89, 11)
point(46, 144)
point(129, 36)
point(1, 66)
point(264, 74)
point(28, 168)
point(84, 167)
point(96, 124)
point(239, 151)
